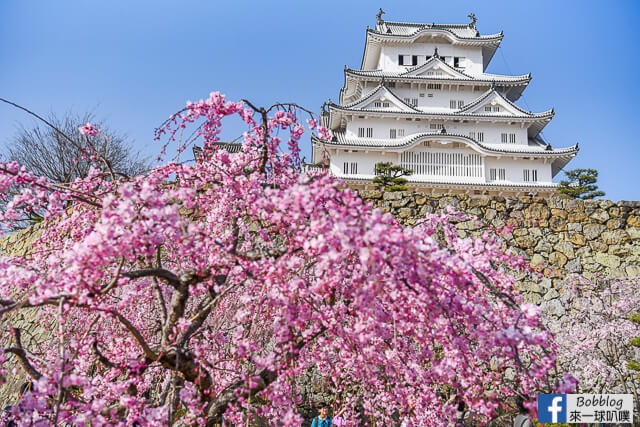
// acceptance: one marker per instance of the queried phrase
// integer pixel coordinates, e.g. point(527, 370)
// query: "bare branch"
point(114, 281)
point(160, 273)
point(21, 354)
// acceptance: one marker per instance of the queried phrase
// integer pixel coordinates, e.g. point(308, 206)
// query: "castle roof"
point(536, 148)
point(387, 32)
point(447, 74)
point(474, 111)
point(413, 74)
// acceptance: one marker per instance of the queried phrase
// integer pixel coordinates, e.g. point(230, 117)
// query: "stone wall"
point(557, 235)
point(33, 331)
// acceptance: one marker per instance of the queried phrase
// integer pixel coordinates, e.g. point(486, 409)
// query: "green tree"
point(581, 184)
point(390, 177)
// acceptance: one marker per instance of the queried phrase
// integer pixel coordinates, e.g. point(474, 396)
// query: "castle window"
point(350, 168)
point(497, 174)
point(407, 59)
point(487, 108)
point(512, 138)
point(530, 175)
point(396, 133)
point(436, 126)
point(434, 86)
point(480, 137)
point(411, 101)
point(496, 108)
point(365, 132)
point(503, 137)
point(456, 104)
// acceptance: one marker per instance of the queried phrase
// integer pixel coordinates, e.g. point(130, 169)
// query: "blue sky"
point(133, 63)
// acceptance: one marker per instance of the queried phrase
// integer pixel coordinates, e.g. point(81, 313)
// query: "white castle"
point(422, 99)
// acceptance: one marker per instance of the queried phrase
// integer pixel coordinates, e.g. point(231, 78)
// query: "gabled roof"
point(536, 121)
point(407, 32)
point(480, 78)
point(513, 85)
point(409, 141)
point(493, 97)
point(382, 93)
point(435, 63)
point(411, 29)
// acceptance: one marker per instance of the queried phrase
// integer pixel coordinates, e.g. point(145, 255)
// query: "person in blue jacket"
point(323, 419)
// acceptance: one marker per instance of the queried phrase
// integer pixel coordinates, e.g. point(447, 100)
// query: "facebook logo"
point(552, 408)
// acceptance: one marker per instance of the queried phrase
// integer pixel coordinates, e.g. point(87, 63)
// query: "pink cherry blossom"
point(185, 295)
point(88, 129)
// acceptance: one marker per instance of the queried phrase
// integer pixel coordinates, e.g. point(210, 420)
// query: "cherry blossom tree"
point(594, 339)
point(199, 294)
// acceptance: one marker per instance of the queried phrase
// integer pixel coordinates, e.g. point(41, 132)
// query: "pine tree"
point(581, 184)
point(390, 177)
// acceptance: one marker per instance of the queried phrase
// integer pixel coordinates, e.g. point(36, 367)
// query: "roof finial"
point(493, 85)
point(379, 16)
point(435, 53)
point(472, 16)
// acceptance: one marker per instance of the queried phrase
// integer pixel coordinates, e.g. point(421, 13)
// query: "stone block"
point(573, 266)
point(537, 261)
point(593, 231)
point(560, 213)
point(615, 223)
point(576, 238)
point(551, 294)
point(619, 250)
point(566, 248)
point(576, 216)
point(400, 203)
point(600, 215)
point(633, 221)
point(634, 233)
point(557, 223)
point(553, 308)
point(558, 259)
point(607, 260)
point(405, 212)
point(449, 201)
point(537, 211)
point(575, 227)
point(633, 270)
point(393, 195)
point(615, 237)
point(597, 246)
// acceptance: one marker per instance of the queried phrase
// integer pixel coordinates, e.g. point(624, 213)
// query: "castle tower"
point(422, 99)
